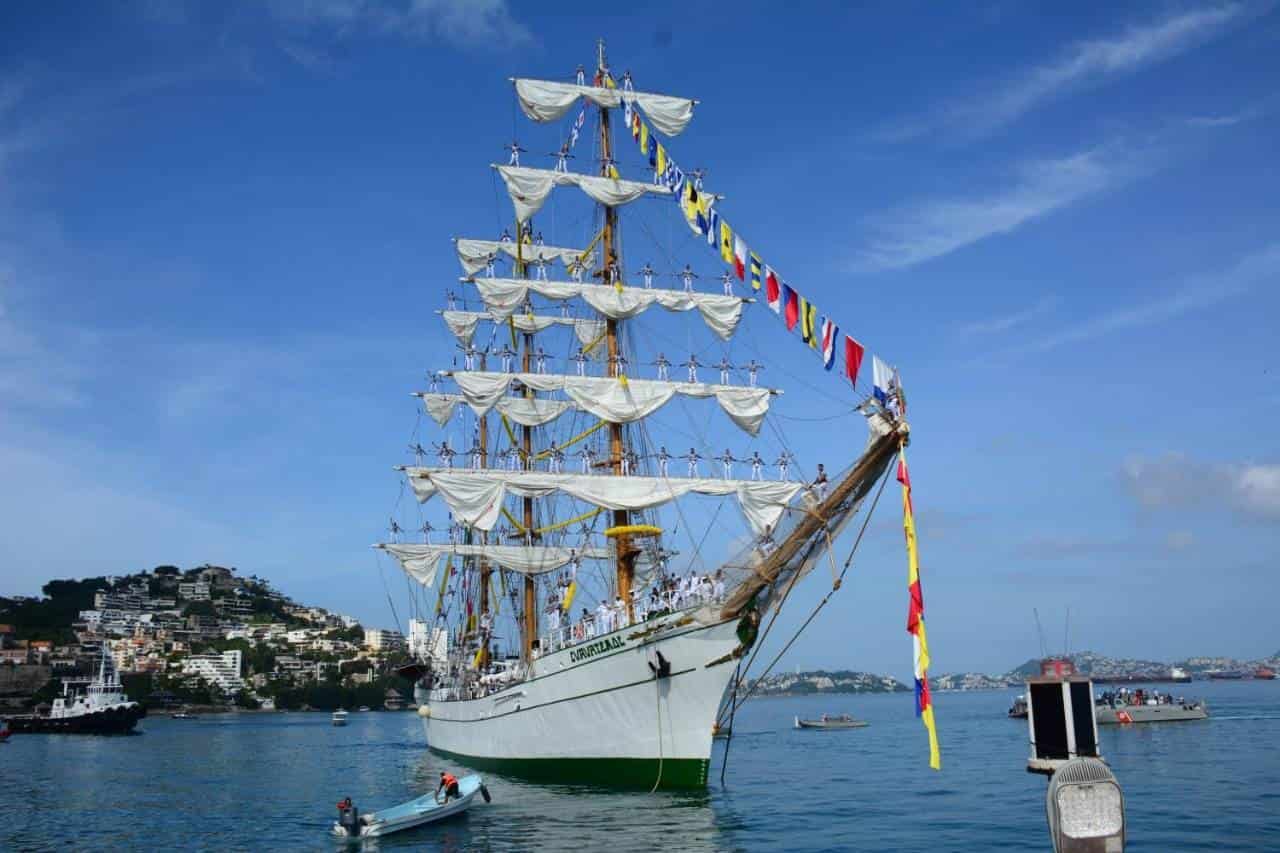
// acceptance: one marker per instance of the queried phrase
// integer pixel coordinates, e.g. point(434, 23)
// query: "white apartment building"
point(222, 670)
point(424, 645)
point(382, 640)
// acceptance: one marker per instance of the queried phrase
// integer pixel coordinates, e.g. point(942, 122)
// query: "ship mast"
point(526, 447)
point(485, 570)
point(626, 554)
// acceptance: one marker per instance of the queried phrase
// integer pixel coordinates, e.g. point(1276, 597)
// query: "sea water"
point(270, 782)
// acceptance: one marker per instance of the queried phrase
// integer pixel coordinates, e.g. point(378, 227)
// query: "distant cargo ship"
point(1225, 675)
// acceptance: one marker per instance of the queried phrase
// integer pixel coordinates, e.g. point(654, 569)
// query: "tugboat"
point(87, 706)
point(1178, 675)
point(340, 717)
point(1264, 673)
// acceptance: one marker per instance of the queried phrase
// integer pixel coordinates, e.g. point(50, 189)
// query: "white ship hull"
point(596, 713)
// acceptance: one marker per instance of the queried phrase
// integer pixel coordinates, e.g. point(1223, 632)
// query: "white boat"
point(416, 812)
point(631, 693)
point(340, 717)
point(95, 705)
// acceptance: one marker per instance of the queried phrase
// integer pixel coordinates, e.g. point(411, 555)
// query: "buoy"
point(634, 530)
point(424, 711)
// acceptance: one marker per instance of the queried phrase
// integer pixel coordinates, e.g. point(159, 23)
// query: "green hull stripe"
point(677, 773)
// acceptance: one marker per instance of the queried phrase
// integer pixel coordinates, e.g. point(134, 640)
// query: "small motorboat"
point(184, 715)
point(424, 809)
point(830, 721)
point(363, 708)
point(1018, 710)
point(340, 717)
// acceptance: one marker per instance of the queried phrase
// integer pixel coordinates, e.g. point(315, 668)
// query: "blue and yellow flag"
point(726, 242)
point(808, 323)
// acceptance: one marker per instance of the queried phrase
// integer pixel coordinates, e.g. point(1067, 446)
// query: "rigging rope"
point(821, 604)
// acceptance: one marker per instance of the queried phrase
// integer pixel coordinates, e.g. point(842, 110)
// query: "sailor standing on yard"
point(507, 354)
point(727, 281)
point(757, 466)
point(647, 272)
point(515, 150)
point(541, 263)
point(446, 454)
point(581, 360)
point(753, 369)
point(784, 460)
point(580, 77)
point(662, 365)
point(687, 275)
point(726, 462)
point(692, 456)
point(562, 158)
point(693, 364)
point(663, 458)
point(585, 455)
point(575, 270)
point(725, 367)
point(554, 457)
point(541, 360)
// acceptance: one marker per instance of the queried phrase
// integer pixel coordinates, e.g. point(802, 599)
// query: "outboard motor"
point(349, 817)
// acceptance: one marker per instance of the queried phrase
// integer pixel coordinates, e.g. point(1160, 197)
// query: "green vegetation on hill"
point(50, 617)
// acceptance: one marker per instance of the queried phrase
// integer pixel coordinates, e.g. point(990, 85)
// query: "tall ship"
point(572, 622)
point(95, 705)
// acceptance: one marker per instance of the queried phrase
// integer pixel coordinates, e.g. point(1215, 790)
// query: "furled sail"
point(525, 411)
point(504, 296)
point(529, 188)
point(548, 100)
point(463, 324)
point(423, 561)
point(475, 254)
point(614, 399)
point(475, 497)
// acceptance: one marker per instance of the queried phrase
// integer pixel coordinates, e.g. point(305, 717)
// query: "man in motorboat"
point(449, 783)
point(349, 817)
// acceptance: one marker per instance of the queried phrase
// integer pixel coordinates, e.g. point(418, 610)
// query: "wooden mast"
point(617, 447)
point(526, 446)
point(485, 570)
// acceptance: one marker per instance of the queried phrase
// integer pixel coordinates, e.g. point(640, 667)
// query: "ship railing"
point(591, 626)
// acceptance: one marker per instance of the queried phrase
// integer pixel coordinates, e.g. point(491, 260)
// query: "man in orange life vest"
point(449, 783)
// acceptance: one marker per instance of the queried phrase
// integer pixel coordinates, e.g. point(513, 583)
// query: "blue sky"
point(224, 230)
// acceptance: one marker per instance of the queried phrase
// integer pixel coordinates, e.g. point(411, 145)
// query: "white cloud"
point(1175, 481)
point(1083, 63)
point(470, 23)
point(1195, 294)
point(1004, 322)
point(916, 234)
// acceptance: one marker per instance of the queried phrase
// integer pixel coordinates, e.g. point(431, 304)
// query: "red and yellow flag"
point(915, 615)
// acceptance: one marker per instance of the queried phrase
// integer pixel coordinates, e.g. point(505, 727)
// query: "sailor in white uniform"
point(604, 619)
point(508, 354)
point(575, 270)
point(753, 370)
point(663, 458)
point(446, 454)
point(647, 271)
point(784, 460)
point(515, 150)
point(726, 280)
point(662, 364)
point(726, 462)
point(725, 367)
point(562, 158)
point(475, 454)
point(540, 358)
point(581, 360)
point(580, 76)
point(757, 466)
point(554, 457)
point(692, 457)
point(541, 263)
point(687, 275)
point(693, 364)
